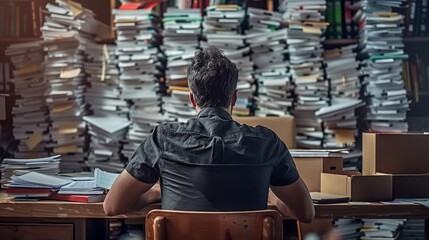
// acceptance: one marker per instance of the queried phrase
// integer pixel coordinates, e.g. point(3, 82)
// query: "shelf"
point(416, 39)
point(19, 39)
point(340, 41)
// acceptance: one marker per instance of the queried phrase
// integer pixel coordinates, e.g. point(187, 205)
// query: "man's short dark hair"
point(212, 78)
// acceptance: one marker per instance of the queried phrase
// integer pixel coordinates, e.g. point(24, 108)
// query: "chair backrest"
point(214, 187)
point(248, 225)
point(284, 127)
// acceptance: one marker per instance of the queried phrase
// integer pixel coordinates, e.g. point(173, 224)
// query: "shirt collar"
point(214, 111)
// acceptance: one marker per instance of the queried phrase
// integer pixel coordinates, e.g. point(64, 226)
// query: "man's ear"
point(192, 99)
point(234, 99)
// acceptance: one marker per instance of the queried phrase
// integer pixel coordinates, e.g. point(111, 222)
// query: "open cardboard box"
point(284, 127)
point(310, 168)
point(395, 153)
point(358, 188)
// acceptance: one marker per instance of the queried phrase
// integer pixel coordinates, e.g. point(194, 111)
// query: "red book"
point(78, 198)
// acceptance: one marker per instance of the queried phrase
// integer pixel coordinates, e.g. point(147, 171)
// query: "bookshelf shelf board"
point(416, 39)
point(340, 41)
point(18, 39)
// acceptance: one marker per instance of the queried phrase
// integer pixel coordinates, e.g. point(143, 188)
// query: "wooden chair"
point(247, 225)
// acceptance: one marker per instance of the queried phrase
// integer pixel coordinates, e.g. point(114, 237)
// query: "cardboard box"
point(310, 168)
point(359, 188)
point(284, 127)
point(402, 153)
point(410, 185)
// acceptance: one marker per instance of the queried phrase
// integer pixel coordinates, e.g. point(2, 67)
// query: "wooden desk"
point(87, 220)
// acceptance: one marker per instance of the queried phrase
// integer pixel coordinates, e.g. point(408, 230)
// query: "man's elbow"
point(307, 215)
point(110, 209)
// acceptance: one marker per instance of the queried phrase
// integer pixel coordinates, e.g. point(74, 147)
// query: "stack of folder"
point(382, 47)
point(138, 38)
point(222, 28)
point(103, 93)
point(66, 31)
point(268, 46)
point(181, 39)
point(304, 39)
point(347, 229)
point(30, 112)
point(19, 166)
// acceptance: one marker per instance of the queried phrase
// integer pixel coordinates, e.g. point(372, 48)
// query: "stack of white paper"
point(82, 187)
point(222, 29)
point(104, 94)
point(37, 180)
point(304, 39)
point(181, 40)
point(106, 133)
point(138, 38)
point(347, 229)
point(20, 166)
point(261, 20)
point(66, 32)
point(382, 46)
point(413, 229)
point(381, 228)
point(30, 113)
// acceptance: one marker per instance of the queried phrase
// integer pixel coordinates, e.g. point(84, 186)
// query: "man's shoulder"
point(258, 130)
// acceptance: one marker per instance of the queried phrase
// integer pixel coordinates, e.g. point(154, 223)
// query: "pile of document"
point(381, 228)
point(413, 229)
point(268, 45)
point(66, 32)
point(177, 105)
point(182, 30)
point(347, 229)
point(30, 112)
point(222, 29)
point(106, 133)
point(304, 39)
point(382, 45)
point(340, 122)
point(138, 37)
point(181, 40)
point(20, 166)
point(104, 94)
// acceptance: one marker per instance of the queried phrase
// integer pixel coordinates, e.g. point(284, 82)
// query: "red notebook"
point(78, 198)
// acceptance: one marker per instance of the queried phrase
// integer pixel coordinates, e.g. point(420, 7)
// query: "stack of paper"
point(342, 71)
point(66, 32)
point(182, 30)
point(37, 180)
point(106, 133)
point(304, 39)
point(177, 106)
point(382, 46)
point(222, 29)
point(261, 20)
point(20, 166)
point(413, 229)
point(104, 94)
point(340, 122)
point(81, 187)
point(347, 229)
point(30, 113)
point(268, 45)
point(138, 37)
point(381, 228)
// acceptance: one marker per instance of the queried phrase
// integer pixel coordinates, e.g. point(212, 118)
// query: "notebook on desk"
point(321, 198)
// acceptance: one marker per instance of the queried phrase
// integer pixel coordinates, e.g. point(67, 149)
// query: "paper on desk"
point(104, 179)
point(360, 203)
point(35, 178)
point(421, 201)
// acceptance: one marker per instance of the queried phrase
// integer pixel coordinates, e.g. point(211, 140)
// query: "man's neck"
point(228, 110)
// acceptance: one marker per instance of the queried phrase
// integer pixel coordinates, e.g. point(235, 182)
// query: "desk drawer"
point(25, 231)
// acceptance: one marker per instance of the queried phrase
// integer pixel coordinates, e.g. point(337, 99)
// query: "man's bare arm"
point(295, 201)
point(129, 194)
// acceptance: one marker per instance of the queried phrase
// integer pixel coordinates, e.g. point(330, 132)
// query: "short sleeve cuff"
point(142, 172)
